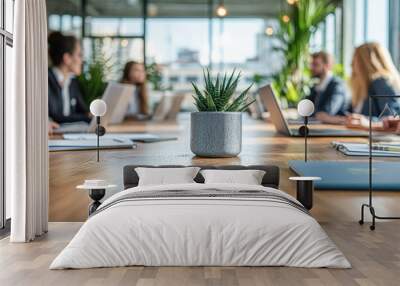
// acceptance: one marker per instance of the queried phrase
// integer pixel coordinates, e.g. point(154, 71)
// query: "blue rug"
point(350, 175)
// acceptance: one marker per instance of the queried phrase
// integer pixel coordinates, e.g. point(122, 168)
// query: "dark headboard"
point(270, 179)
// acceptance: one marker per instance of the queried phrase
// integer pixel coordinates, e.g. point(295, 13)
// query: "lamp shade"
point(305, 108)
point(98, 107)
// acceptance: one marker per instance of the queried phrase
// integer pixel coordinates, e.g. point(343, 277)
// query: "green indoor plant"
point(219, 95)
point(295, 31)
point(216, 128)
point(154, 76)
point(93, 80)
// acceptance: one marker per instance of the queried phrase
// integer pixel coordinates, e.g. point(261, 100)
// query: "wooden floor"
point(375, 256)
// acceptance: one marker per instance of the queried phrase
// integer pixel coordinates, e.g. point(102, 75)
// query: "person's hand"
point(357, 121)
point(391, 124)
point(52, 125)
point(326, 118)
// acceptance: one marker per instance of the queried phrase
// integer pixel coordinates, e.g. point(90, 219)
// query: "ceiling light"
point(285, 18)
point(221, 10)
point(269, 31)
point(152, 10)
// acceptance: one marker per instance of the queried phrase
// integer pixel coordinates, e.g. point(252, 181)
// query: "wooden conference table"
point(261, 145)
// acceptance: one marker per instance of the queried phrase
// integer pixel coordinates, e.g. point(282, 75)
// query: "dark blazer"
point(79, 110)
point(333, 100)
point(380, 86)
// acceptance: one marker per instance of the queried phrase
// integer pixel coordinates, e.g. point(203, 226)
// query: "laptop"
point(295, 120)
point(123, 94)
point(116, 96)
point(168, 107)
point(282, 126)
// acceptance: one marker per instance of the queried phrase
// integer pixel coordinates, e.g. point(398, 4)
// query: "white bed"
point(185, 230)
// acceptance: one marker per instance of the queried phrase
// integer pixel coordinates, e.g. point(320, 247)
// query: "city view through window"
point(183, 39)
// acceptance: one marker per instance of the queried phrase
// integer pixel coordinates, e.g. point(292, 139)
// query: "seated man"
point(329, 95)
point(65, 98)
point(52, 126)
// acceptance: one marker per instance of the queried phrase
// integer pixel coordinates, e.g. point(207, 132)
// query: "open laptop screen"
point(269, 99)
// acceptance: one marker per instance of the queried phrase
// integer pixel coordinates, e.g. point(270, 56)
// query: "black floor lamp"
point(305, 108)
point(372, 100)
point(98, 108)
point(305, 185)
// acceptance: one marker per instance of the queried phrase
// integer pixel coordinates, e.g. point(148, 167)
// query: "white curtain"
point(27, 155)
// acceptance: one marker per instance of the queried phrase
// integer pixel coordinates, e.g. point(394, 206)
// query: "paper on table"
point(142, 137)
point(361, 149)
point(104, 142)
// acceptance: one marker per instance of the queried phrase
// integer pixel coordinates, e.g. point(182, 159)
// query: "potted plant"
point(93, 80)
point(216, 128)
point(297, 25)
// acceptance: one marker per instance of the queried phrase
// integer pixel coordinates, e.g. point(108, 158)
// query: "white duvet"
point(200, 231)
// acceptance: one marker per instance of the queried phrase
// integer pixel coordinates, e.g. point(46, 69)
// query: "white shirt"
point(64, 82)
point(321, 87)
point(323, 84)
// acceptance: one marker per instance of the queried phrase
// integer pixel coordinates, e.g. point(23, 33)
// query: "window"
point(227, 49)
point(371, 22)
point(167, 44)
point(116, 51)
point(328, 37)
point(65, 23)
point(181, 58)
point(183, 36)
point(9, 12)
point(174, 79)
point(106, 27)
point(377, 21)
point(394, 35)
point(6, 41)
point(167, 41)
point(359, 25)
point(113, 30)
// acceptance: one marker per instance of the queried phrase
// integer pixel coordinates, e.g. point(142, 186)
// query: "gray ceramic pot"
point(216, 134)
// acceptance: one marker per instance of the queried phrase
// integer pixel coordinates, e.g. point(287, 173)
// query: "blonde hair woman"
point(373, 73)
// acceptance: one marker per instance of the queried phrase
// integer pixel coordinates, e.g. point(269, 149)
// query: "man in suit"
point(329, 95)
point(65, 98)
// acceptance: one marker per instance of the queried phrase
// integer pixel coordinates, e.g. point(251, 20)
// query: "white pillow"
point(248, 177)
point(166, 176)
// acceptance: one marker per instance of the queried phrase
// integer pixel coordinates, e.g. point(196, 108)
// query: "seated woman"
point(373, 73)
point(135, 73)
point(65, 99)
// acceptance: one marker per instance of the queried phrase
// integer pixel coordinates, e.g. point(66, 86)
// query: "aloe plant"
point(219, 95)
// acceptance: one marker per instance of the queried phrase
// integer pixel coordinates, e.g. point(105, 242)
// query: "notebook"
point(361, 149)
point(67, 145)
point(136, 137)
